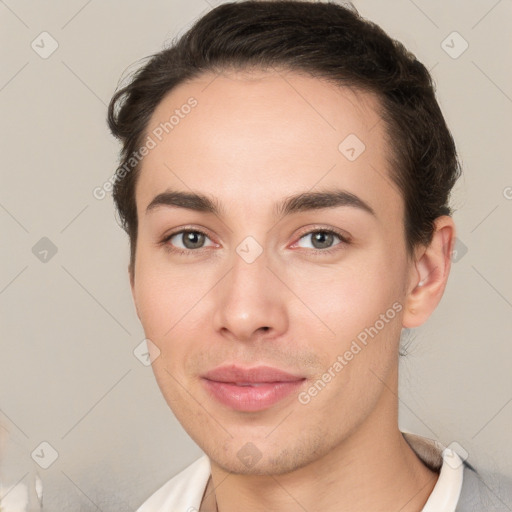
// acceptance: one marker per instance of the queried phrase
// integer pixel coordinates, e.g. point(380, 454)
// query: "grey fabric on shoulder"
point(481, 491)
point(484, 492)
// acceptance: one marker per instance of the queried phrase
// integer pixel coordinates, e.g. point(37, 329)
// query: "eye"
point(322, 240)
point(186, 240)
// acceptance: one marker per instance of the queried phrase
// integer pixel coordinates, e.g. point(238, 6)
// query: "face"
point(312, 288)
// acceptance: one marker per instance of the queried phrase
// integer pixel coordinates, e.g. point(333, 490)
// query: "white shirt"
point(184, 492)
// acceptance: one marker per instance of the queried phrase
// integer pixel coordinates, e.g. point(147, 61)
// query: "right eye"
point(186, 241)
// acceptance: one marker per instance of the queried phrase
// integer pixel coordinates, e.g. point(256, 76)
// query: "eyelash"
point(344, 240)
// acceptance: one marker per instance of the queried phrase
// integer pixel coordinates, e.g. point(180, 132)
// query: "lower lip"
point(251, 398)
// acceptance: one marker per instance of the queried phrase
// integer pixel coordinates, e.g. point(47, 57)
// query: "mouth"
point(250, 389)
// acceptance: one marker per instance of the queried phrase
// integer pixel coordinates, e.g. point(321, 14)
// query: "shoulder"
point(183, 492)
point(484, 491)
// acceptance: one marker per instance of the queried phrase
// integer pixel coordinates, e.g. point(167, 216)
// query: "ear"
point(131, 275)
point(429, 274)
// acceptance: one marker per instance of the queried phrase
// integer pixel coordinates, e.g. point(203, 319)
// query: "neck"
point(373, 468)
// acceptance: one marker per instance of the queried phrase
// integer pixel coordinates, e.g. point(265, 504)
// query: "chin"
point(260, 458)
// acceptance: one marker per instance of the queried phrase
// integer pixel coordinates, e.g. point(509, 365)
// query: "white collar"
point(446, 493)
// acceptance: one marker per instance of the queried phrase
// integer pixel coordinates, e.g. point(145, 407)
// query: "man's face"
point(266, 287)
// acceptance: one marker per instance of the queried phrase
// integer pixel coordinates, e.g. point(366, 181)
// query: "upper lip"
point(233, 373)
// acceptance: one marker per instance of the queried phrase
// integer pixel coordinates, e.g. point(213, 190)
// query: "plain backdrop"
point(68, 373)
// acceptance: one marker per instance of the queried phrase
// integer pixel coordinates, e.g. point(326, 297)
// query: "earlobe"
point(131, 276)
point(430, 274)
point(132, 288)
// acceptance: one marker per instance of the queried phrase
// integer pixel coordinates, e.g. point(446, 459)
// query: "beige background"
point(68, 373)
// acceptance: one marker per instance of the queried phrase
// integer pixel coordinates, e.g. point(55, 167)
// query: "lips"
point(259, 374)
point(250, 389)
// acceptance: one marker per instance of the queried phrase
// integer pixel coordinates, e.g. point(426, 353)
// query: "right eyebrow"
point(189, 200)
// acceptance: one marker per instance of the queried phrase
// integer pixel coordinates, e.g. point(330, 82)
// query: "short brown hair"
point(327, 41)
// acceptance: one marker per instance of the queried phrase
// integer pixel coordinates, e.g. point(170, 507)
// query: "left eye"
point(321, 239)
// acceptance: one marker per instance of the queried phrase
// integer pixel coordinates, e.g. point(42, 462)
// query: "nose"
point(250, 302)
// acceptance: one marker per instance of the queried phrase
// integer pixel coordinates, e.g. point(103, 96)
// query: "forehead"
point(255, 136)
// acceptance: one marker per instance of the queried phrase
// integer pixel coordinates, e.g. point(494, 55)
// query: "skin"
point(254, 139)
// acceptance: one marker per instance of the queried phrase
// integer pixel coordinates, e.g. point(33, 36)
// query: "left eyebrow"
point(317, 200)
point(297, 203)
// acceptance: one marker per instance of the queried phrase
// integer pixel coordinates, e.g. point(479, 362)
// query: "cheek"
point(351, 296)
point(172, 303)
point(165, 295)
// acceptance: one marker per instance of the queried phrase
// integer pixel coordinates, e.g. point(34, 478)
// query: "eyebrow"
point(301, 202)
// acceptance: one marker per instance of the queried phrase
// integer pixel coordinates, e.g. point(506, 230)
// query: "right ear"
point(132, 287)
